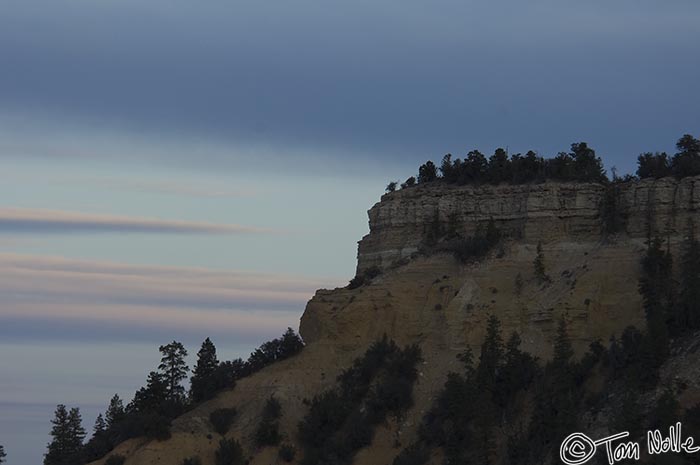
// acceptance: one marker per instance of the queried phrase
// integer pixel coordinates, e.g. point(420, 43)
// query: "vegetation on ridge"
point(580, 164)
point(162, 399)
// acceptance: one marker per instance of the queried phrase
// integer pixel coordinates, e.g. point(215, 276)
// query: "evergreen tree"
point(563, 351)
point(174, 370)
point(539, 267)
point(586, 166)
point(201, 383)
point(656, 287)
point(152, 397)
point(427, 172)
point(391, 187)
point(687, 161)
point(518, 371)
point(115, 412)
point(518, 286)
point(410, 182)
point(499, 168)
point(291, 344)
point(653, 165)
point(67, 437)
point(689, 295)
point(75, 427)
point(491, 355)
point(100, 442)
point(3, 455)
point(100, 425)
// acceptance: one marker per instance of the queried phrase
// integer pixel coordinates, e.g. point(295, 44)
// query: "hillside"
point(415, 291)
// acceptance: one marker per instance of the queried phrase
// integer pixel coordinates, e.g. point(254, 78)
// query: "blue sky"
point(178, 170)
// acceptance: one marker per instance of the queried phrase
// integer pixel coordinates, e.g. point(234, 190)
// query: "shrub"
point(229, 452)
point(115, 460)
point(365, 277)
point(287, 452)
point(221, 419)
point(268, 431)
point(192, 461)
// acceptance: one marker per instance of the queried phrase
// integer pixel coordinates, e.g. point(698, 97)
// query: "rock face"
point(546, 212)
point(443, 305)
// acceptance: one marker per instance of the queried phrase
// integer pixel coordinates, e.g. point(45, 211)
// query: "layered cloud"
point(41, 293)
point(38, 221)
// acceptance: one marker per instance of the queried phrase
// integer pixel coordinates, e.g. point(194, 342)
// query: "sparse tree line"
point(485, 400)
point(580, 164)
point(342, 420)
point(163, 398)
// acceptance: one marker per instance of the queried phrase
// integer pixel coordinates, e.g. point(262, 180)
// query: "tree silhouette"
point(67, 437)
point(201, 385)
point(687, 161)
point(174, 370)
point(653, 165)
point(427, 172)
point(3, 455)
point(100, 425)
point(115, 412)
point(656, 287)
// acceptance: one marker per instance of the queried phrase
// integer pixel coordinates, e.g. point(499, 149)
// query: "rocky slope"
point(443, 305)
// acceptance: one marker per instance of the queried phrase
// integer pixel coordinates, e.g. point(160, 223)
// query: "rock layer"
point(546, 212)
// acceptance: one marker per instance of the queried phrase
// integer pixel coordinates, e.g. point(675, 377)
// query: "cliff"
point(545, 212)
point(442, 304)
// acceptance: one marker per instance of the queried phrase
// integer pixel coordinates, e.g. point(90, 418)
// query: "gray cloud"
point(37, 221)
point(145, 299)
point(393, 80)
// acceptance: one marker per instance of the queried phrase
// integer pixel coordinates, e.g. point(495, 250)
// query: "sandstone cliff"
point(443, 305)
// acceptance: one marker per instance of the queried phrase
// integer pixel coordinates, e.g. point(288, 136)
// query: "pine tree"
point(174, 370)
point(656, 287)
point(290, 344)
point(539, 267)
point(68, 435)
point(518, 287)
point(3, 455)
point(491, 354)
point(75, 427)
point(563, 351)
point(201, 383)
point(100, 426)
point(689, 295)
point(152, 397)
point(115, 412)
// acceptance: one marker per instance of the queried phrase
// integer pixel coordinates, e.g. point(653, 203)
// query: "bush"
point(287, 452)
point(473, 247)
point(230, 452)
point(115, 460)
point(361, 279)
point(192, 461)
point(148, 424)
point(268, 431)
point(221, 419)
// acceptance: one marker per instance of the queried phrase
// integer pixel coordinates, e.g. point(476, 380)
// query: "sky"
point(178, 170)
